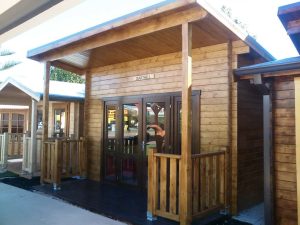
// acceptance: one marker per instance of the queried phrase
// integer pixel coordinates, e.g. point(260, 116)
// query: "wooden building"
point(279, 81)
point(21, 102)
point(161, 97)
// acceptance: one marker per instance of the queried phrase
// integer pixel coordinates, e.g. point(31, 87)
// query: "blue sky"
point(259, 15)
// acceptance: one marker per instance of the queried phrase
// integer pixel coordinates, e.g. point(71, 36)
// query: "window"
point(39, 119)
point(59, 122)
point(4, 122)
point(17, 123)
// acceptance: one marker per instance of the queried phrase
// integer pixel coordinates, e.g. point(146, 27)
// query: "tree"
point(63, 75)
point(4, 63)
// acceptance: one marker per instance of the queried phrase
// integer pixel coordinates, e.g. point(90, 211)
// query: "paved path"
point(18, 206)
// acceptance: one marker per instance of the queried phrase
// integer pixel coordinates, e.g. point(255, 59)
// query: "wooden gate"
point(15, 145)
point(208, 184)
point(62, 159)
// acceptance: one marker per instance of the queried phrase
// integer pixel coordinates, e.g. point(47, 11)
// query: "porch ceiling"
point(157, 43)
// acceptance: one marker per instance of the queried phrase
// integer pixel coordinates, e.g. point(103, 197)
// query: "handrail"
point(208, 153)
point(172, 156)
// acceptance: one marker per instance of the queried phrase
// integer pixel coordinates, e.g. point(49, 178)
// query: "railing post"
point(56, 165)
point(4, 153)
point(151, 186)
point(82, 158)
point(25, 155)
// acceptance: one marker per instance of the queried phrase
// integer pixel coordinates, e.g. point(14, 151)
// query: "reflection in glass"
point(4, 122)
point(155, 122)
point(110, 162)
point(17, 123)
point(59, 122)
point(130, 143)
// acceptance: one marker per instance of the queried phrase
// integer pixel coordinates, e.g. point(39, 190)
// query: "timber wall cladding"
point(210, 75)
point(250, 146)
point(285, 150)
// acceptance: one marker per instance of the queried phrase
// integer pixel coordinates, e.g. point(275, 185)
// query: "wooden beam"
point(45, 113)
point(138, 28)
point(297, 124)
point(186, 134)
point(268, 161)
point(67, 67)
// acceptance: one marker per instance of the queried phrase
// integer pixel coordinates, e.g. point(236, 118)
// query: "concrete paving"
point(18, 206)
point(254, 215)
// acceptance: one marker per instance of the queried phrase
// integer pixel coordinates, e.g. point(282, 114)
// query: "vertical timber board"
point(297, 123)
point(45, 114)
point(33, 144)
point(268, 161)
point(186, 142)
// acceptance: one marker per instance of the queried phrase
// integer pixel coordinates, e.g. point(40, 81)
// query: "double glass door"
point(134, 125)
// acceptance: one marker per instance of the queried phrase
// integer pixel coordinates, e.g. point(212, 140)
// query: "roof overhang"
point(21, 87)
point(152, 31)
point(283, 67)
point(17, 16)
point(290, 18)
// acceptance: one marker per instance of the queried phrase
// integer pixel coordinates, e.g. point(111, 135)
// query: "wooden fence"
point(31, 155)
point(62, 159)
point(208, 184)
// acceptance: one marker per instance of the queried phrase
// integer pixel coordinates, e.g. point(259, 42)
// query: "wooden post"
point(297, 124)
point(4, 152)
point(56, 165)
point(268, 161)
point(186, 134)
point(151, 189)
point(33, 145)
point(45, 114)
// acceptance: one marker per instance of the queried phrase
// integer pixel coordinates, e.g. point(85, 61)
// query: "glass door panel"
point(110, 149)
point(130, 143)
point(155, 124)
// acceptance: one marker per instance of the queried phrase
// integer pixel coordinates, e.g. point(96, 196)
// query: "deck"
point(118, 202)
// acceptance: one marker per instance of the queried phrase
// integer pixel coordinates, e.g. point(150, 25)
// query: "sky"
point(260, 16)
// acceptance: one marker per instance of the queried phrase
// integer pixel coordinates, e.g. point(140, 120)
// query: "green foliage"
point(63, 75)
point(9, 64)
point(228, 12)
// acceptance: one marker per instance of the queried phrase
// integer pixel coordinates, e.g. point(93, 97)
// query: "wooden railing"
point(208, 184)
point(3, 151)
point(62, 159)
point(15, 145)
point(163, 185)
point(31, 155)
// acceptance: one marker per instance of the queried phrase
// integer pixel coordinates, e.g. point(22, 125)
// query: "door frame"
point(120, 100)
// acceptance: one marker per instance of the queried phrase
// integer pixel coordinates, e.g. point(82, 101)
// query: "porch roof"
point(27, 78)
point(290, 18)
point(273, 67)
point(148, 32)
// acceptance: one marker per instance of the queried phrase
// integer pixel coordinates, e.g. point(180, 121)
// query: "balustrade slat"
point(173, 186)
point(163, 183)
